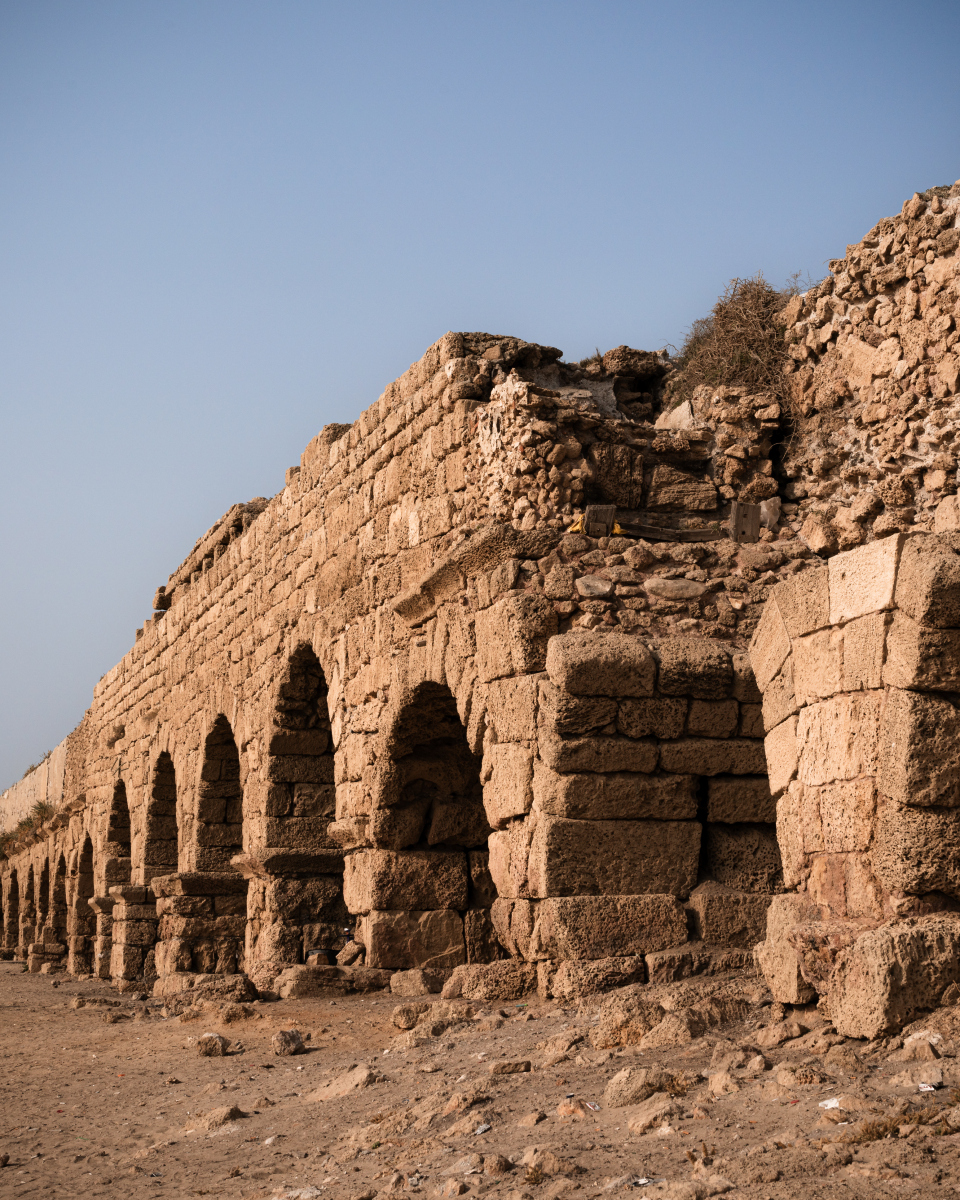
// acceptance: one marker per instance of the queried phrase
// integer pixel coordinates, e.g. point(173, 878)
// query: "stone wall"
point(42, 785)
point(391, 713)
point(859, 664)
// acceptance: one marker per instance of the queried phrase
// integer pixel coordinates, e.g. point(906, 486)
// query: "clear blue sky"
point(224, 224)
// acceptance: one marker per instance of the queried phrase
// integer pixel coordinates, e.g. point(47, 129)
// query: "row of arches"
point(193, 879)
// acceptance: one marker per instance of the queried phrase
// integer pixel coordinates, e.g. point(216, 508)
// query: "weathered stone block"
point(414, 879)
point(709, 756)
point(617, 796)
point(400, 940)
point(743, 857)
point(570, 980)
point(598, 753)
point(571, 858)
point(728, 917)
point(922, 657)
point(781, 751)
point(512, 708)
point(507, 782)
point(713, 718)
point(779, 699)
point(817, 665)
point(769, 645)
point(837, 738)
point(596, 927)
point(862, 580)
point(914, 850)
point(576, 714)
point(736, 798)
point(919, 750)
point(804, 602)
point(509, 855)
point(928, 583)
point(892, 974)
point(657, 718)
point(585, 663)
point(694, 667)
point(776, 956)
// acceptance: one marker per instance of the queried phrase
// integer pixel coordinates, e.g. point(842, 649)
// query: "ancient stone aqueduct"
point(420, 710)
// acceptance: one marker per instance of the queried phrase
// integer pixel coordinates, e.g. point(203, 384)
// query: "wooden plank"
point(656, 533)
point(745, 522)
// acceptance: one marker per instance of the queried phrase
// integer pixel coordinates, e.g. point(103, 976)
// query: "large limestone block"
point(691, 666)
point(779, 698)
point(566, 714)
point(846, 885)
point(777, 958)
point(507, 779)
point(892, 974)
point(916, 850)
point(398, 941)
point(928, 583)
point(818, 665)
point(711, 756)
point(743, 857)
point(919, 750)
point(512, 636)
point(598, 753)
point(736, 798)
point(728, 917)
point(512, 708)
point(389, 879)
point(513, 921)
point(769, 645)
point(592, 927)
point(713, 718)
point(617, 796)
point(509, 856)
point(659, 718)
point(862, 580)
point(587, 663)
point(864, 647)
point(922, 657)
point(613, 858)
point(804, 601)
point(837, 738)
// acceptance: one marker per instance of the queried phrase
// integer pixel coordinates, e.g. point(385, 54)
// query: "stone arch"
point(28, 914)
point(161, 842)
point(424, 891)
point(43, 898)
point(117, 851)
point(219, 826)
point(296, 893)
point(81, 919)
point(58, 902)
point(11, 916)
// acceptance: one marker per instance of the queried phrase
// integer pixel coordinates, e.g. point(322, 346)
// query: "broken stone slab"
point(506, 980)
point(417, 982)
point(891, 974)
point(353, 1080)
point(570, 980)
point(728, 917)
point(697, 958)
point(296, 982)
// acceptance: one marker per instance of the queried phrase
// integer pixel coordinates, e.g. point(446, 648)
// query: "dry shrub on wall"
point(739, 344)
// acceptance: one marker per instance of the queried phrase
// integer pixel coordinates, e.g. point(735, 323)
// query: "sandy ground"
point(111, 1099)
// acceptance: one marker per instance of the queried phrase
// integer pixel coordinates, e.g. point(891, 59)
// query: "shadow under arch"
point(429, 906)
point(297, 911)
point(11, 917)
point(81, 919)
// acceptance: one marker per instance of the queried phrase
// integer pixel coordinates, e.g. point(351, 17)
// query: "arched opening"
point(220, 800)
point(28, 915)
point(161, 845)
point(117, 850)
point(429, 803)
point(11, 917)
point(58, 903)
point(81, 919)
point(296, 898)
point(43, 899)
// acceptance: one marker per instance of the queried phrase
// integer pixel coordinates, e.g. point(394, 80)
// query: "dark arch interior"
point(43, 895)
point(58, 901)
point(12, 915)
point(438, 794)
point(220, 799)
point(118, 838)
point(161, 850)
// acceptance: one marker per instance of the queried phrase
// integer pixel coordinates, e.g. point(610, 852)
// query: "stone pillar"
point(103, 939)
point(202, 925)
point(859, 664)
point(134, 936)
